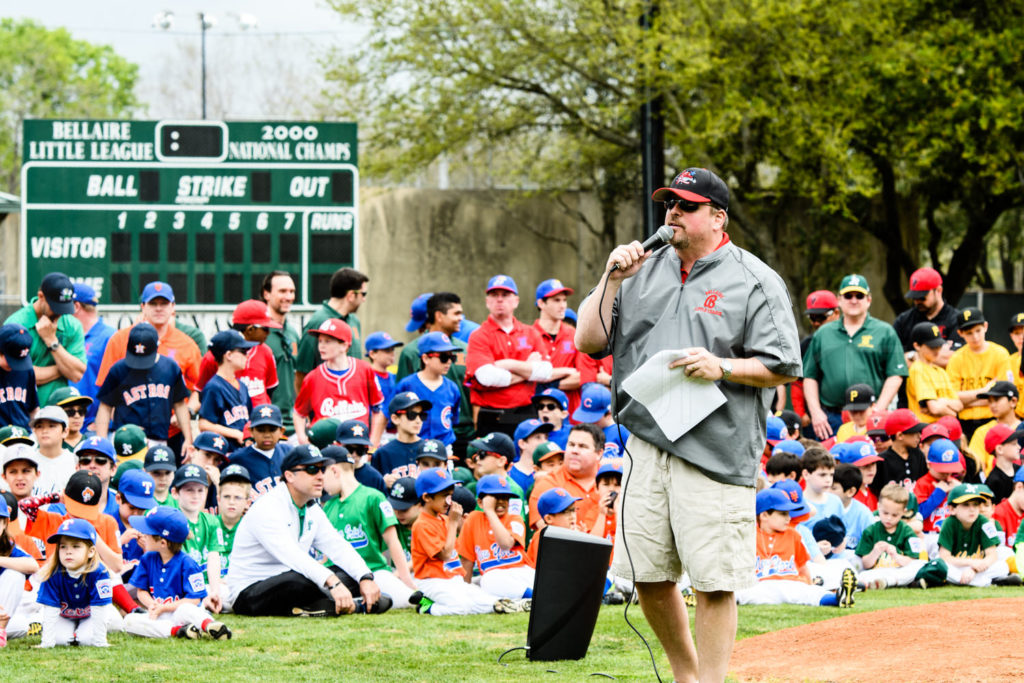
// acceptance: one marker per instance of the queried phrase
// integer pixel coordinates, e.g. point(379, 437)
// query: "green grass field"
point(404, 646)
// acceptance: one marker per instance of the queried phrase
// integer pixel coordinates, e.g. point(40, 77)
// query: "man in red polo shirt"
point(504, 363)
point(577, 475)
point(557, 339)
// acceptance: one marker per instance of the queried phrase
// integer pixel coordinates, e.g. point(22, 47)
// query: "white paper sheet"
point(678, 403)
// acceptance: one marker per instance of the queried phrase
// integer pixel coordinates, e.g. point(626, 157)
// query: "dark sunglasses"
point(548, 406)
point(818, 318)
point(73, 411)
point(414, 414)
point(684, 205)
point(357, 450)
point(444, 357)
point(853, 295)
point(311, 469)
point(90, 459)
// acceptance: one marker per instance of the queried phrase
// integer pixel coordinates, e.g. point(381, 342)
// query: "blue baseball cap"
point(212, 442)
point(789, 446)
point(136, 487)
point(266, 414)
point(502, 282)
point(78, 528)
point(435, 342)
point(610, 466)
point(418, 312)
point(84, 294)
point(944, 456)
point(228, 340)
point(338, 454)
point(571, 316)
point(163, 521)
point(97, 444)
point(433, 480)
point(235, 473)
point(378, 341)
point(187, 474)
point(1020, 475)
point(595, 400)
point(404, 400)
point(528, 428)
point(15, 344)
point(431, 448)
point(555, 500)
point(156, 290)
point(774, 499)
point(776, 428)
point(5, 512)
point(493, 484)
point(352, 433)
point(143, 342)
point(856, 453)
point(556, 395)
point(552, 287)
point(792, 490)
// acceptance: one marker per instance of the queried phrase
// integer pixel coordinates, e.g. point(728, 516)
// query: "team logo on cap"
point(140, 348)
point(66, 294)
point(967, 315)
point(160, 456)
point(66, 525)
point(126, 449)
point(23, 353)
point(503, 481)
point(266, 411)
point(430, 447)
point(948, 455)
point(561, 493)
point(314, 451)
point(327, 326)
point(357, 430)
point(854, 280)
point(685, 178)
point(398, 491)
point(935, 330)
point(1019, 318)
point(500, 280)
point(87, 494)
point(865, 449)
point(191, 471)
point(218, 442)
point(793, 496)
point(588, 402)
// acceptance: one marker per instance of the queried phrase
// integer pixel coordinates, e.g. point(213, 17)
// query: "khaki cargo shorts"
point(675, 519)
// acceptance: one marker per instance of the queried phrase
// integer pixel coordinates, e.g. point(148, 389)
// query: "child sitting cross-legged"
point(892, 554)
point(968, 540)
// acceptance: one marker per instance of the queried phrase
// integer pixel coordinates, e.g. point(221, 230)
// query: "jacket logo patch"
point(711, 298)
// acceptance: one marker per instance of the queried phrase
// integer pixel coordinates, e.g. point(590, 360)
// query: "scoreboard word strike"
point(207, 206)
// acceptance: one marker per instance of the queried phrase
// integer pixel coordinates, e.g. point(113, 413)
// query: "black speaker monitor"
point(567, 590)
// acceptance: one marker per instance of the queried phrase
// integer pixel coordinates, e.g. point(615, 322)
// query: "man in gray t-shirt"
point(691, 506)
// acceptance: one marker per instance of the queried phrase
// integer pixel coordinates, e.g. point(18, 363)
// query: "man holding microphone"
point(689, 505)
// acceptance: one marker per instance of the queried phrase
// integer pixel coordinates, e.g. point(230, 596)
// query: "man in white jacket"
point(273, 572)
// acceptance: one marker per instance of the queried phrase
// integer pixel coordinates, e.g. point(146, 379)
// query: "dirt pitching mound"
point(967, 640)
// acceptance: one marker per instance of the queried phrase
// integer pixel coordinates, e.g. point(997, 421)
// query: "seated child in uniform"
point(931, 490)
point(1003, 551)
point(968, 541)
point(856, 516)
point(202, 543)
point(891, 553)
point(818, 471)
point(396, 458)
point(15, 566)
point(782, 465)
point(781, 567)
point(234, 496)
point(829, 571)
point(262, 458)
point(407, 507)
point(134, 497)
point(557, 507)
point(170, 583)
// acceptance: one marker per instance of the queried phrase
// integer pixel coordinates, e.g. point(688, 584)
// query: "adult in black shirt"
point(928, 307)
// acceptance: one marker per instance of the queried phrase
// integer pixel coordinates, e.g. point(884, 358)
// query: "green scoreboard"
point(208, 206)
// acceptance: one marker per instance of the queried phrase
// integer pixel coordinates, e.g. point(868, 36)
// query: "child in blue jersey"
point(437, 353)
point(380, 350)
point(170, 583)
point(397, 458)
point(226, 404)
point(18, 397)
point(134, 497)
point(528, 435)
point(262, 458)
point(75, 589)
point(553, 407)
point(143, 389)
point(15, 566)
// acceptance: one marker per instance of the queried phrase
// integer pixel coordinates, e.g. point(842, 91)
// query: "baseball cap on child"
point(352, 433)
point(254, 312)
point(187, 474)
point(334, 328)
point(433, 480)
point(830, 529)
point(15, 342)
point(159, 458)
point(969, 317)
point(548, 449)
point(527, 428)
point(876, 423)
point(82, 495)
point(858, 453)
point(595, 400)
point(143, 342)
point(136, 488)
point(211, 442)
point(1001, 389)
point(922, 281)
point(965, 492)
point(927, 334)
point(339, 454)
point(67, 396)
point(402, 495)
point(59, 293)
point(266, 415)
point(610, 466)
point(324, 432)
point(435, 342)
point(792, 490)
point(503, 282)
point(1019, 476)
point(1016, 320)
point(496, 443)
point(570, 315)
point(20, 451)
point(84, 294)
point(902, 420)
point(934, 429)
point(130, 442)
point(556, 395)
point(51, 413)
point(493, 484)
point(789, 446)
point(695, 185)
point(74, 528)
point(859, 397)
point(555, 500)
point(165, 522)
point(126, 466)
point(821, 302)
point(1000, 434)
point(775, 430)
point(944, 456)
point(418, 312)
point(155, 290)
point(379, 341)
point(552, 287)
point(15, 434)
point(5, 512)
point(791, 419)
point(405, 400)
point(953, 425)
point(228, 340)
point(854, 283)
point(431, 448)
point(774, 499)
point(464, 497)
point(235, 473)
point(97, 444)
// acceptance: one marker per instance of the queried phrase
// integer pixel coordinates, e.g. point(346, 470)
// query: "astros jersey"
point(179, 578)
point(264, 469)
point(780, 556)
point(362, 517)
point(69, 334)
point(444, 410)
point(971, 542)
point(76, 597)
point(925, 383)
point(429, 533)
point(144, 397)
point(902, 538)
point(968, 371)
point(349, 396)
point(226, 405)
point(175, 345)
point(202, 540)
point(18, 397)
point(258, 376)
point(477, 544)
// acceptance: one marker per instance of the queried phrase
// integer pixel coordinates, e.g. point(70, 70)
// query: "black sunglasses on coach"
point(89, 459)
point(311, 469)
point(684, 205)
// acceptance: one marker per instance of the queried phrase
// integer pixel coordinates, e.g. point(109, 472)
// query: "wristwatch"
point(368, 576)
point(54, 346)
point(726, 368)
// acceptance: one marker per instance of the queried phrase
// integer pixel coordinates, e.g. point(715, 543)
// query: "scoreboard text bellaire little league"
point(207, 206)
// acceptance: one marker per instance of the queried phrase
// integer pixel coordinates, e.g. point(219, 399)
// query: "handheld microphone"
point(663, 235)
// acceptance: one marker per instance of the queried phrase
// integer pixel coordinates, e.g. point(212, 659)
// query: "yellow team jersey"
point(977, 444)
point(969, 371)
point(926, 382)
point(848, 429)
point(1014, 367)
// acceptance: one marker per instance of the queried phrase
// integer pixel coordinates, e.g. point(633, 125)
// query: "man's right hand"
point(343, 602)
point(628, 257)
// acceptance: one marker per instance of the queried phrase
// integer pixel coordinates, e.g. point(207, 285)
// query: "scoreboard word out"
point(207, 206)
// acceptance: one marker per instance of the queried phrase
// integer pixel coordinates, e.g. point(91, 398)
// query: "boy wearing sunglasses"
point(76, 407)
point(397, 458)
point(437, 353)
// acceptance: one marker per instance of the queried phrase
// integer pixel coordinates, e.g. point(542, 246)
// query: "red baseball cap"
point(334, 327)
point(953, 425)
point(1000, 434)
point(254, 312)
point(821, 301)
point(904, 421)
point(876, 422)
point(935, 429)
point(922, 281)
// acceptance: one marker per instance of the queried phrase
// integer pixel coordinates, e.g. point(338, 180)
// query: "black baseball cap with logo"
point(1016, 320)
point(402, 495)
point(927, 334)
point(969, 317)
point(59, 293)
point(1002, 389)
point(143, 341)
point(859, 397)
point(695, 185)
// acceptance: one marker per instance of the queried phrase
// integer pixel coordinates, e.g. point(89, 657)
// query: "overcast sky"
point(289, 38)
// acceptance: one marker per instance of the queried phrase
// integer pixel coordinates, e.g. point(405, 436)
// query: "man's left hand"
point(47, 330)
point(700, 363)
point(370, 592)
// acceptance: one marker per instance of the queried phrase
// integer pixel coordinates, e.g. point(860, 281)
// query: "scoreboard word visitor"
point(207, 206)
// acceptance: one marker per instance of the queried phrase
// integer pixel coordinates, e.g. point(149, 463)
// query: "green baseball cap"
point(130, 443)
point(324, 432)
point(12, 434)
point(546, 450)
point(121, 469)
point(854, 283)
point(66, 395)
point(965, 492)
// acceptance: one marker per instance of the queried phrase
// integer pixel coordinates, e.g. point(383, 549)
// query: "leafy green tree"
point(47, 73)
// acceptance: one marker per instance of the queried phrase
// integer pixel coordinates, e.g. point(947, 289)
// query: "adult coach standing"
point(348, 292)
point(272, 572)
point(278, 290)
point(97, 334)
point(689, 504)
